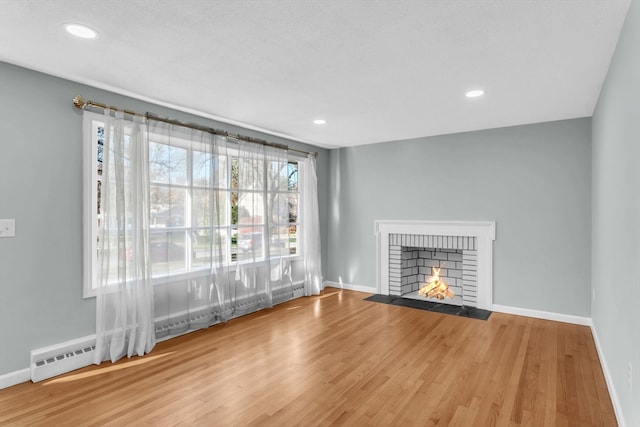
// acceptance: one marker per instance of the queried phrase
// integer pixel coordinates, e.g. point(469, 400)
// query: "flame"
point(436, 288)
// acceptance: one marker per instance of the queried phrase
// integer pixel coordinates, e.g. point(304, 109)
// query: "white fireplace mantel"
point(483, 231)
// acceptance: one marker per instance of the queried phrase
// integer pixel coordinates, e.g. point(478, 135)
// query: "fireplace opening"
point(432, 274)
point(443, 271)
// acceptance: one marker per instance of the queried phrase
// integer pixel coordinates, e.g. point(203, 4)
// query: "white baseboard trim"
point(546, 315)
point(350, 287)
point(607, 377)
point(15, 377)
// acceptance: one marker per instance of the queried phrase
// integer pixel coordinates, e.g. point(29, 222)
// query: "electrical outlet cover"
point(7, 227)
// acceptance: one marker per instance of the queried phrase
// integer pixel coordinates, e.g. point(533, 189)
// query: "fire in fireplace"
point(436, 288)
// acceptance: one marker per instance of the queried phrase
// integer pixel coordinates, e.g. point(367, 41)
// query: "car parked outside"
point(252, 241)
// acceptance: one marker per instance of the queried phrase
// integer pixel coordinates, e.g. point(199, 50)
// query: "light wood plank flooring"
point(338, 360)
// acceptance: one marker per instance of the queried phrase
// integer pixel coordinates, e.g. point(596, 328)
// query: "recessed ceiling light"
point(320, 122)
point(81, 31)
point(474, 93)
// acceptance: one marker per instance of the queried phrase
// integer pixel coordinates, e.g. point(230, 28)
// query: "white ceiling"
point(376, 70)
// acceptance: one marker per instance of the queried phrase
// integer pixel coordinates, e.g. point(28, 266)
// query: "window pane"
point(202, 169)
point(234, 208)
point(277, 174)
point(208, 205)
point(99, 198)
point(250, 174)
point(234, 172)
point(234, 244)
point(279, 243)
point(293, 207)
point(250, 208)
point(220, 168)
point(201, 210)
point(278, 205)
point(167, 252)
point(209, 170)
point(200, 241)
point(167, 164)
point(293, 239)
point(292, 176)
point(118, 248)
point(250, 243)
point(202, 246)
point(100, 152)
point(167, 206)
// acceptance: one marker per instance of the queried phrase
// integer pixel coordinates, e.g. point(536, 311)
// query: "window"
point(93, 154)
point(248, 222)
point(202, 206)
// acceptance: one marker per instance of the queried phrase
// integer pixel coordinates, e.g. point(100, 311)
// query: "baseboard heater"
point(61, 358)
point(57, 359)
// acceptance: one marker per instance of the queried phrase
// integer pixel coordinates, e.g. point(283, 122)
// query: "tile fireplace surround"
point(446, 235)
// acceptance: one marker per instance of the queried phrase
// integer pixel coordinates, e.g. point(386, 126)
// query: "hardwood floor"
point(338, 360)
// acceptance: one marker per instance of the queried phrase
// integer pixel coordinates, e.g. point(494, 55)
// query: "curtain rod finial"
point(79, 102)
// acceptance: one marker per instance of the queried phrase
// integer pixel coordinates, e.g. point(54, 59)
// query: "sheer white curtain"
point(124, 311)
point(311, 229)
point(251, 279)
point(190, 228)
point(263, 235)
point(281, 207)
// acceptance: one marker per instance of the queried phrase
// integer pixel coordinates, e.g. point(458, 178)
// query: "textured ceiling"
point(375, 70)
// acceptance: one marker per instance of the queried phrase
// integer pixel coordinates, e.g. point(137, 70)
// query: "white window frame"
point(91, 123)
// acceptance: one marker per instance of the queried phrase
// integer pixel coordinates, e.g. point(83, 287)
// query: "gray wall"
point(616, 217)
point(41, 187)
point(534, 181)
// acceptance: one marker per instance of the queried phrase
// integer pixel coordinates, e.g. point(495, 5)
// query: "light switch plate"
point(7, 228)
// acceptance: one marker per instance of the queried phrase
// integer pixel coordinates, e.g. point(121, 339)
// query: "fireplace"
point(407, 251)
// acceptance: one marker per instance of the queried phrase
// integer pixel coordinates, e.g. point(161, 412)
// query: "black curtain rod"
point(80, 103)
